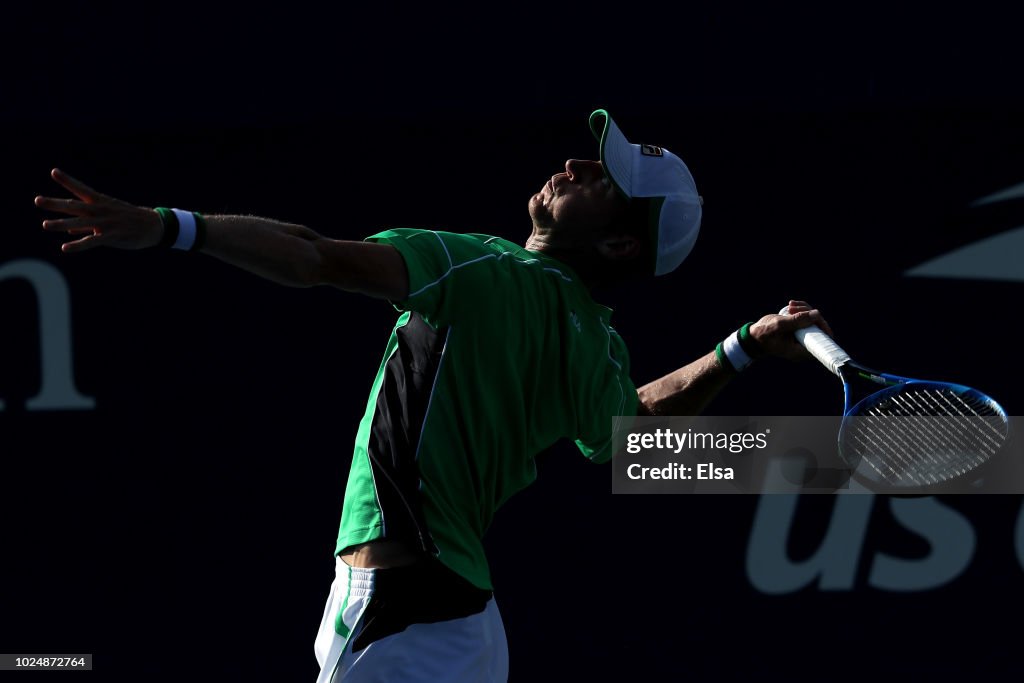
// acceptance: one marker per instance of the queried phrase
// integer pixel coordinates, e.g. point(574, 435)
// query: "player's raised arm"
point(688, 390)
point(285, 253)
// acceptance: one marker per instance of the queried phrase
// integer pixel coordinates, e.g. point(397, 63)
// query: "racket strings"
point(895, 450)
point(918, 436)
point(977, 416)
point(915, 452)
point(978, 408)
point(889, 462)
point(949, 430)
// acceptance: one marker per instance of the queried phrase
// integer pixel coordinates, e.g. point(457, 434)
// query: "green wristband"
point(749, 344)
point(723, 360)
point(170, 222)
point(172, 229)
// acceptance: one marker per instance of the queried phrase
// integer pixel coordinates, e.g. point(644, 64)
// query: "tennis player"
point(499, 351)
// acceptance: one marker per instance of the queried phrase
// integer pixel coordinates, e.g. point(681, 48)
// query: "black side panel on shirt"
point(397, 424)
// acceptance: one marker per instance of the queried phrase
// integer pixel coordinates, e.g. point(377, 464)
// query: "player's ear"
point(619, 247)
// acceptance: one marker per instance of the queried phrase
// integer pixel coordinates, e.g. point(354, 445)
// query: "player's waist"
point(416, 578)
point(424, 592)
point(381, 554)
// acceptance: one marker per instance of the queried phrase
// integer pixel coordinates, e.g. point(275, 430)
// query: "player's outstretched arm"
point(688, 390)
point(285, 253)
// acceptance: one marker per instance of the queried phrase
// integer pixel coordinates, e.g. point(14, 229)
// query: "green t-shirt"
point(499, 353)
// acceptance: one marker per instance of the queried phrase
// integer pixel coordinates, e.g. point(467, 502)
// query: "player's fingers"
point(87, 242)
point(71, 206)
point(821, 322)
point(795, 321)
point(74, 186)
point(795, 307)
point(807, 318)
point(69, 224)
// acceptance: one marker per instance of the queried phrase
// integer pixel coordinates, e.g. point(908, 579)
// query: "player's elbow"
point(307, 275)
point(377, 270)
point(306, 271)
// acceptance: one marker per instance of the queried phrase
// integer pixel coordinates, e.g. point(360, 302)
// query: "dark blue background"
point(188, 522)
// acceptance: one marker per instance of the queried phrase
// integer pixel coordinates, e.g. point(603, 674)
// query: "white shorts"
point(463, 650)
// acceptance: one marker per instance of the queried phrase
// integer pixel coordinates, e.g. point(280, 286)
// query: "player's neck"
point(584, 264)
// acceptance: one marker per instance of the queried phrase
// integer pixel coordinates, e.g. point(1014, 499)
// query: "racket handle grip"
point(821, 346)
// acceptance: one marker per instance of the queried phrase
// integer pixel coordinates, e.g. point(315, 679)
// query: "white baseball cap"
point(653, 173)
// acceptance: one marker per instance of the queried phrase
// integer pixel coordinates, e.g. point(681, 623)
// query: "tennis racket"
point(905, 435)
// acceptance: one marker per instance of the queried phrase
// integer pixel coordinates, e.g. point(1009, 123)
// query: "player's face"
point(578, 202)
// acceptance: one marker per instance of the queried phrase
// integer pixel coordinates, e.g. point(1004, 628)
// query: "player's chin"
point(536, 203)
point(539, 213)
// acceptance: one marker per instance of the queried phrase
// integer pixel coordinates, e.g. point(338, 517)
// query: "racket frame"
point(838, 361)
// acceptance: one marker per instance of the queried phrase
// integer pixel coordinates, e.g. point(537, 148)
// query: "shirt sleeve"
point(618, 397)
point(449, 273)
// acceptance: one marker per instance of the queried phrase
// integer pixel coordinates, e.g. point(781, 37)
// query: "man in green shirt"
point(499, 352)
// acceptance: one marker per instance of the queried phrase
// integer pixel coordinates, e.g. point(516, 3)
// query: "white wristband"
point(735, 353)
point(186, 230)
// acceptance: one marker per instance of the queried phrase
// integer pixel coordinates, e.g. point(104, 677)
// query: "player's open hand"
point(101, 220)
point(775, 333)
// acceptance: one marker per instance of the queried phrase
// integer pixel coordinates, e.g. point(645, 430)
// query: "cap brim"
point(615, 150)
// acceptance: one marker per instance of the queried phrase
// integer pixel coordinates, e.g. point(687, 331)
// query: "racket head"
point(920, 436)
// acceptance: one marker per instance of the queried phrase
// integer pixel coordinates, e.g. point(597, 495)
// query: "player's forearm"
point(686, 391)
point(297, 256)
point(284, 253)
